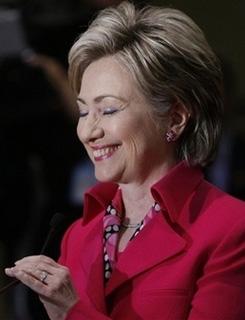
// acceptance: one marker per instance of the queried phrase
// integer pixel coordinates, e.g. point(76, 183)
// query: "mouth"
point(102, 153)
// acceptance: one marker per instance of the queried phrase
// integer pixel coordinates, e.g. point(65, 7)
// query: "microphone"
point(54, 223)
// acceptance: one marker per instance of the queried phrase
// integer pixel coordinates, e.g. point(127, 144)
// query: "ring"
point(43, 276)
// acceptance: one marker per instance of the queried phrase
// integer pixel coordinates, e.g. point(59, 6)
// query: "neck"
point(137, 197)
point(137, 202)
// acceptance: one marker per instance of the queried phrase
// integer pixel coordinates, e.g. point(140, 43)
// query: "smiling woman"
point(156, 240)
point(123, 144)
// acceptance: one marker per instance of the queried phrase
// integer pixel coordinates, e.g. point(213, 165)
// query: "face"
point(115, 125)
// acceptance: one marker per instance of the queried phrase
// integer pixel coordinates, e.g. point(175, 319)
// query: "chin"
point(107, 177)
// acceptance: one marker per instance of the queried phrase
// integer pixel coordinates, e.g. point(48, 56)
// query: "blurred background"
point(43, 167)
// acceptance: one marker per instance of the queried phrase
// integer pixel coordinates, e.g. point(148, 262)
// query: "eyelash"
point(108, 111)
point(83, 114)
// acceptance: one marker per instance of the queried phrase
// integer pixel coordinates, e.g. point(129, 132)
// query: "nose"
point(89, 129)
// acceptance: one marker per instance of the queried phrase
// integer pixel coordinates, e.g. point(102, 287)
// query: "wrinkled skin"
point(57, 292)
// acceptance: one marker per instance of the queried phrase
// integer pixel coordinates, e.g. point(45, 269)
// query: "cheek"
point(143, 144)
point(79, 130)
point(79, 134)
point(132, 137)
point(135, 146)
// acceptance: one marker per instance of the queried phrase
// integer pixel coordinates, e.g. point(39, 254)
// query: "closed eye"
point(83, 114)
point(109, 111)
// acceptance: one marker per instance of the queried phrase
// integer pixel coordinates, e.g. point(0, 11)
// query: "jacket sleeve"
point(221, 290)
point(83, 311)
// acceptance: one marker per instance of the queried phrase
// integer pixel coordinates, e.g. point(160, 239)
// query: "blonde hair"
point(170, 59)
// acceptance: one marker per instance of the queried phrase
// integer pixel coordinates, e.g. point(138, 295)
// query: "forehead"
point(107, 76)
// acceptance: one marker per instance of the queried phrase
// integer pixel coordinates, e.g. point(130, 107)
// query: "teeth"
point(104, 151)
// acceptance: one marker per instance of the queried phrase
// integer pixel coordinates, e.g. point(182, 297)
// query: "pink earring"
point(171, 136)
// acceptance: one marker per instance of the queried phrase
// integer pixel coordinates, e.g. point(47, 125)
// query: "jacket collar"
point(171, 192)
point(174, 189)
point(97, 199)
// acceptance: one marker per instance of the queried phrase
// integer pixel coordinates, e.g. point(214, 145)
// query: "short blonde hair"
point(170, 59)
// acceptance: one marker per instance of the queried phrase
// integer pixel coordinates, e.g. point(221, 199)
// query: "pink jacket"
point(188, 263)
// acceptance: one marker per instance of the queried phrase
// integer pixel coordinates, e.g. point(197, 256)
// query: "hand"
point(50, 280)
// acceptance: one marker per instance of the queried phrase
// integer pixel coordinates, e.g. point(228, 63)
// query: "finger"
point(56, 269)
point(32, 263)
point(40, 275)
point(29, 280)
point(36, 270)
point(9, 272)
point(28, 267)
point(56, 289)
point(44, 273)
point(51, 287)
point(36, 259)
point(43, 277)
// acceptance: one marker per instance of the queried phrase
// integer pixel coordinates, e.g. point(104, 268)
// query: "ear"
point(178, 118)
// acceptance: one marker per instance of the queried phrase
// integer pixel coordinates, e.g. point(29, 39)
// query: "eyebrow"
point(100, 98)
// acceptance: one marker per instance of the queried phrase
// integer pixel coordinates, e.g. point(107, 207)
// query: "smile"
point(104, 153)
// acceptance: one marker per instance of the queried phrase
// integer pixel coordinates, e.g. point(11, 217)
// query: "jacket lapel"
point(92, 263)
point(156, 243)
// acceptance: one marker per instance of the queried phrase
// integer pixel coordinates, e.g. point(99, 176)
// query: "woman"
point(156, 240)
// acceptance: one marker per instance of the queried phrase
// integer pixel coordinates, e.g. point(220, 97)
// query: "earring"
point(171, 136)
